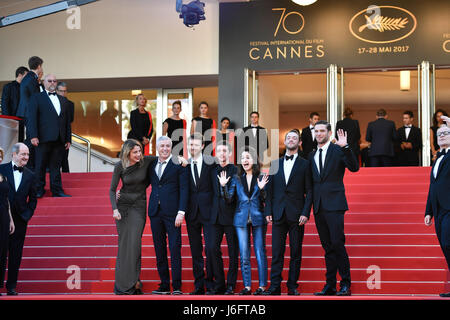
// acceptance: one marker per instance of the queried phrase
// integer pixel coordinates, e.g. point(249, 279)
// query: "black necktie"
point(291, 157)
point(52, 93)
point(196, 176)
point(320, 161)
point(441, 153)
point(16, 168)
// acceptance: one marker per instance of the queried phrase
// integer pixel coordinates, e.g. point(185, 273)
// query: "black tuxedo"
point(169, 195)
point(10, 98)
point(23, 203)
point(65, 161)
point(198, 217)
point(382, 135)
point(221, 223)
point(285, 202)
point(53, 132)
point(330, 205)
point(438, 204)
point(308, 144)
point(353, 133)
point(28, 87)
point(409, 157)
point(260, 141)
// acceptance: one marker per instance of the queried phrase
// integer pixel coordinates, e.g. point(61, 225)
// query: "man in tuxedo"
point(410, 142)
point(166, 209)
point(61, 89)
point(308, 138)
point(351, 126)
point(288, 206)
point(328, 164)
point(28, 87)
point(48, 126)
point(22, 199)
point(438, 201)
point(382, 135)
point(198, 214)
point(256, 136)
point(11, 93)
point(221, 223)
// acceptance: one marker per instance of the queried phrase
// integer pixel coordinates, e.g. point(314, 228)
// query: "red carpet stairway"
point(391, 251)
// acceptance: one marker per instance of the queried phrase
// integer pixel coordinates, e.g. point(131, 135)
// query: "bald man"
point(48, 125)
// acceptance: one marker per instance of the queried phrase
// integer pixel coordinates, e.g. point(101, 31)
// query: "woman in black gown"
point(141, 124)
point(6, 226)
point(206, 126)
point(175, 128)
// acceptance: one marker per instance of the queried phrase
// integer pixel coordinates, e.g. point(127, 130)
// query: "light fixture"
point(304, 2)
point(405, 80)
point(135, 92)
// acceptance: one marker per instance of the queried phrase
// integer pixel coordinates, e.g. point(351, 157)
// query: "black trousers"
point(15, 248)
point(381, 161)
point(49, 154)
point(4, 241)
point(217, 231)
point(194, 229)
point(330, 226)
point(65, 161)
point(442, 225)
point(280, 229)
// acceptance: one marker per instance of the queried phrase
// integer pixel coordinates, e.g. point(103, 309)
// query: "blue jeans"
point(260, 252)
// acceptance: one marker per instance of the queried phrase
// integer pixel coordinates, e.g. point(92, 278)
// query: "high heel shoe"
point(138, 288)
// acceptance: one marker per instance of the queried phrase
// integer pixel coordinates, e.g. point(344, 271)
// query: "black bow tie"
point(442, 153)
point(408, 127)
point(16, 168)
point(52, 93)
point(289, 157)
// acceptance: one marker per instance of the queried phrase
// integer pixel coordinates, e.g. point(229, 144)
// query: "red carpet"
point(384, 228)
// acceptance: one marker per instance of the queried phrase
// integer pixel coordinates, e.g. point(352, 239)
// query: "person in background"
point(409, 142)
point(351, 126)
point(129, 211)
point(437, 122)
point(206, 126)
point(247, 188)
point(308, 138)
point(61, 89)
point(175, 128)
point(256, 136)
point(2, 155)
point(227, 136)
point(141, 124)
point(382, 136)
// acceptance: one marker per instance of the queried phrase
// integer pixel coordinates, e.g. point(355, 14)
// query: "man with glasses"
point(48, 125)
point(61, 89)
point(438, 202)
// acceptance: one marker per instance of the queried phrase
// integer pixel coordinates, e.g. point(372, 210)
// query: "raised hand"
point(223, 180)
point(342, 138)
point(262, 183)
point(446, 120)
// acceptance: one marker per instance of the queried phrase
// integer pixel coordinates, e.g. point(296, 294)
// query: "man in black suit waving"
point(438, 202)
point(410, 141)
point(288, 205)
point(48, 125)
point(328, 164)
point(382, 135)
point(22, 199)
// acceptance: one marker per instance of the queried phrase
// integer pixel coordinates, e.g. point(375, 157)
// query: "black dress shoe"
point(445, 295)
point(40, 195)
point(245, 292)
point(197, 292)
point(211, 292)
point(12, 292)
point(61, 195)
point(272, 292)
point(344, 291)
point(161, 290)
point(177, 292)
point(229, 291)
point(259, 292)
point(293, 292)
point(326, 291)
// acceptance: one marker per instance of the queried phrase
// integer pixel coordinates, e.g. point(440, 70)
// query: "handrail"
point(88, 165)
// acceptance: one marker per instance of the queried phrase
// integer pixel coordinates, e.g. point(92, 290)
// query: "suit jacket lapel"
point(294, 168)
point(10, 176)
point(316, 169)
point(327, 161)
point(441, 165)
point(281, 168)
point(23, 180)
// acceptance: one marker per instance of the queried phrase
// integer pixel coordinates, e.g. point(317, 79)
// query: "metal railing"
point(88, 164)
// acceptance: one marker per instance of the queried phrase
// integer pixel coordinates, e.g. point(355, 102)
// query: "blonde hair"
point(127, 146)
point(137, 97)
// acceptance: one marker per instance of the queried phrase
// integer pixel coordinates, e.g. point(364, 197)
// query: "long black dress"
point(176, 136)
point(4, 227)
point(203, 125)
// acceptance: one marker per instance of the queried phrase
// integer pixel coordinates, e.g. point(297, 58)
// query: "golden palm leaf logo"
point(382, 24)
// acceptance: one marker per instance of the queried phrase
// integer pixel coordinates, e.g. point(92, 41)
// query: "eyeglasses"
point(443, 133)
point(48, 80)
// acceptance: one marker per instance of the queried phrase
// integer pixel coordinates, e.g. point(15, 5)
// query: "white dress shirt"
point(254, 130)
point(55, 101)
point(17, 176)
point(199, 161)
point(407, 131)
point(438, 162)
point(324, 155)
point(287, 166)
point(313, 133)
point(163, 166)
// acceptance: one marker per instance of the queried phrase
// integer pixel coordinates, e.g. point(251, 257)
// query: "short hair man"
point(255, 136)
point(382, 135)
point(61, 89)
point(308, 137)
point(410, 141)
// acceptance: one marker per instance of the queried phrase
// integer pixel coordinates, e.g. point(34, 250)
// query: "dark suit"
point(10, 98)
point(23, 203)
point(353, 133)
point(382, 135)
point(169, 195)
point(53, 132)
point(438, 204)
point(330, 205)
point(308, 144)
point(285, 202)
point(198, 216)
point(221, 223)
point(65, 161)
point(260, 141)
point(409, 157)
